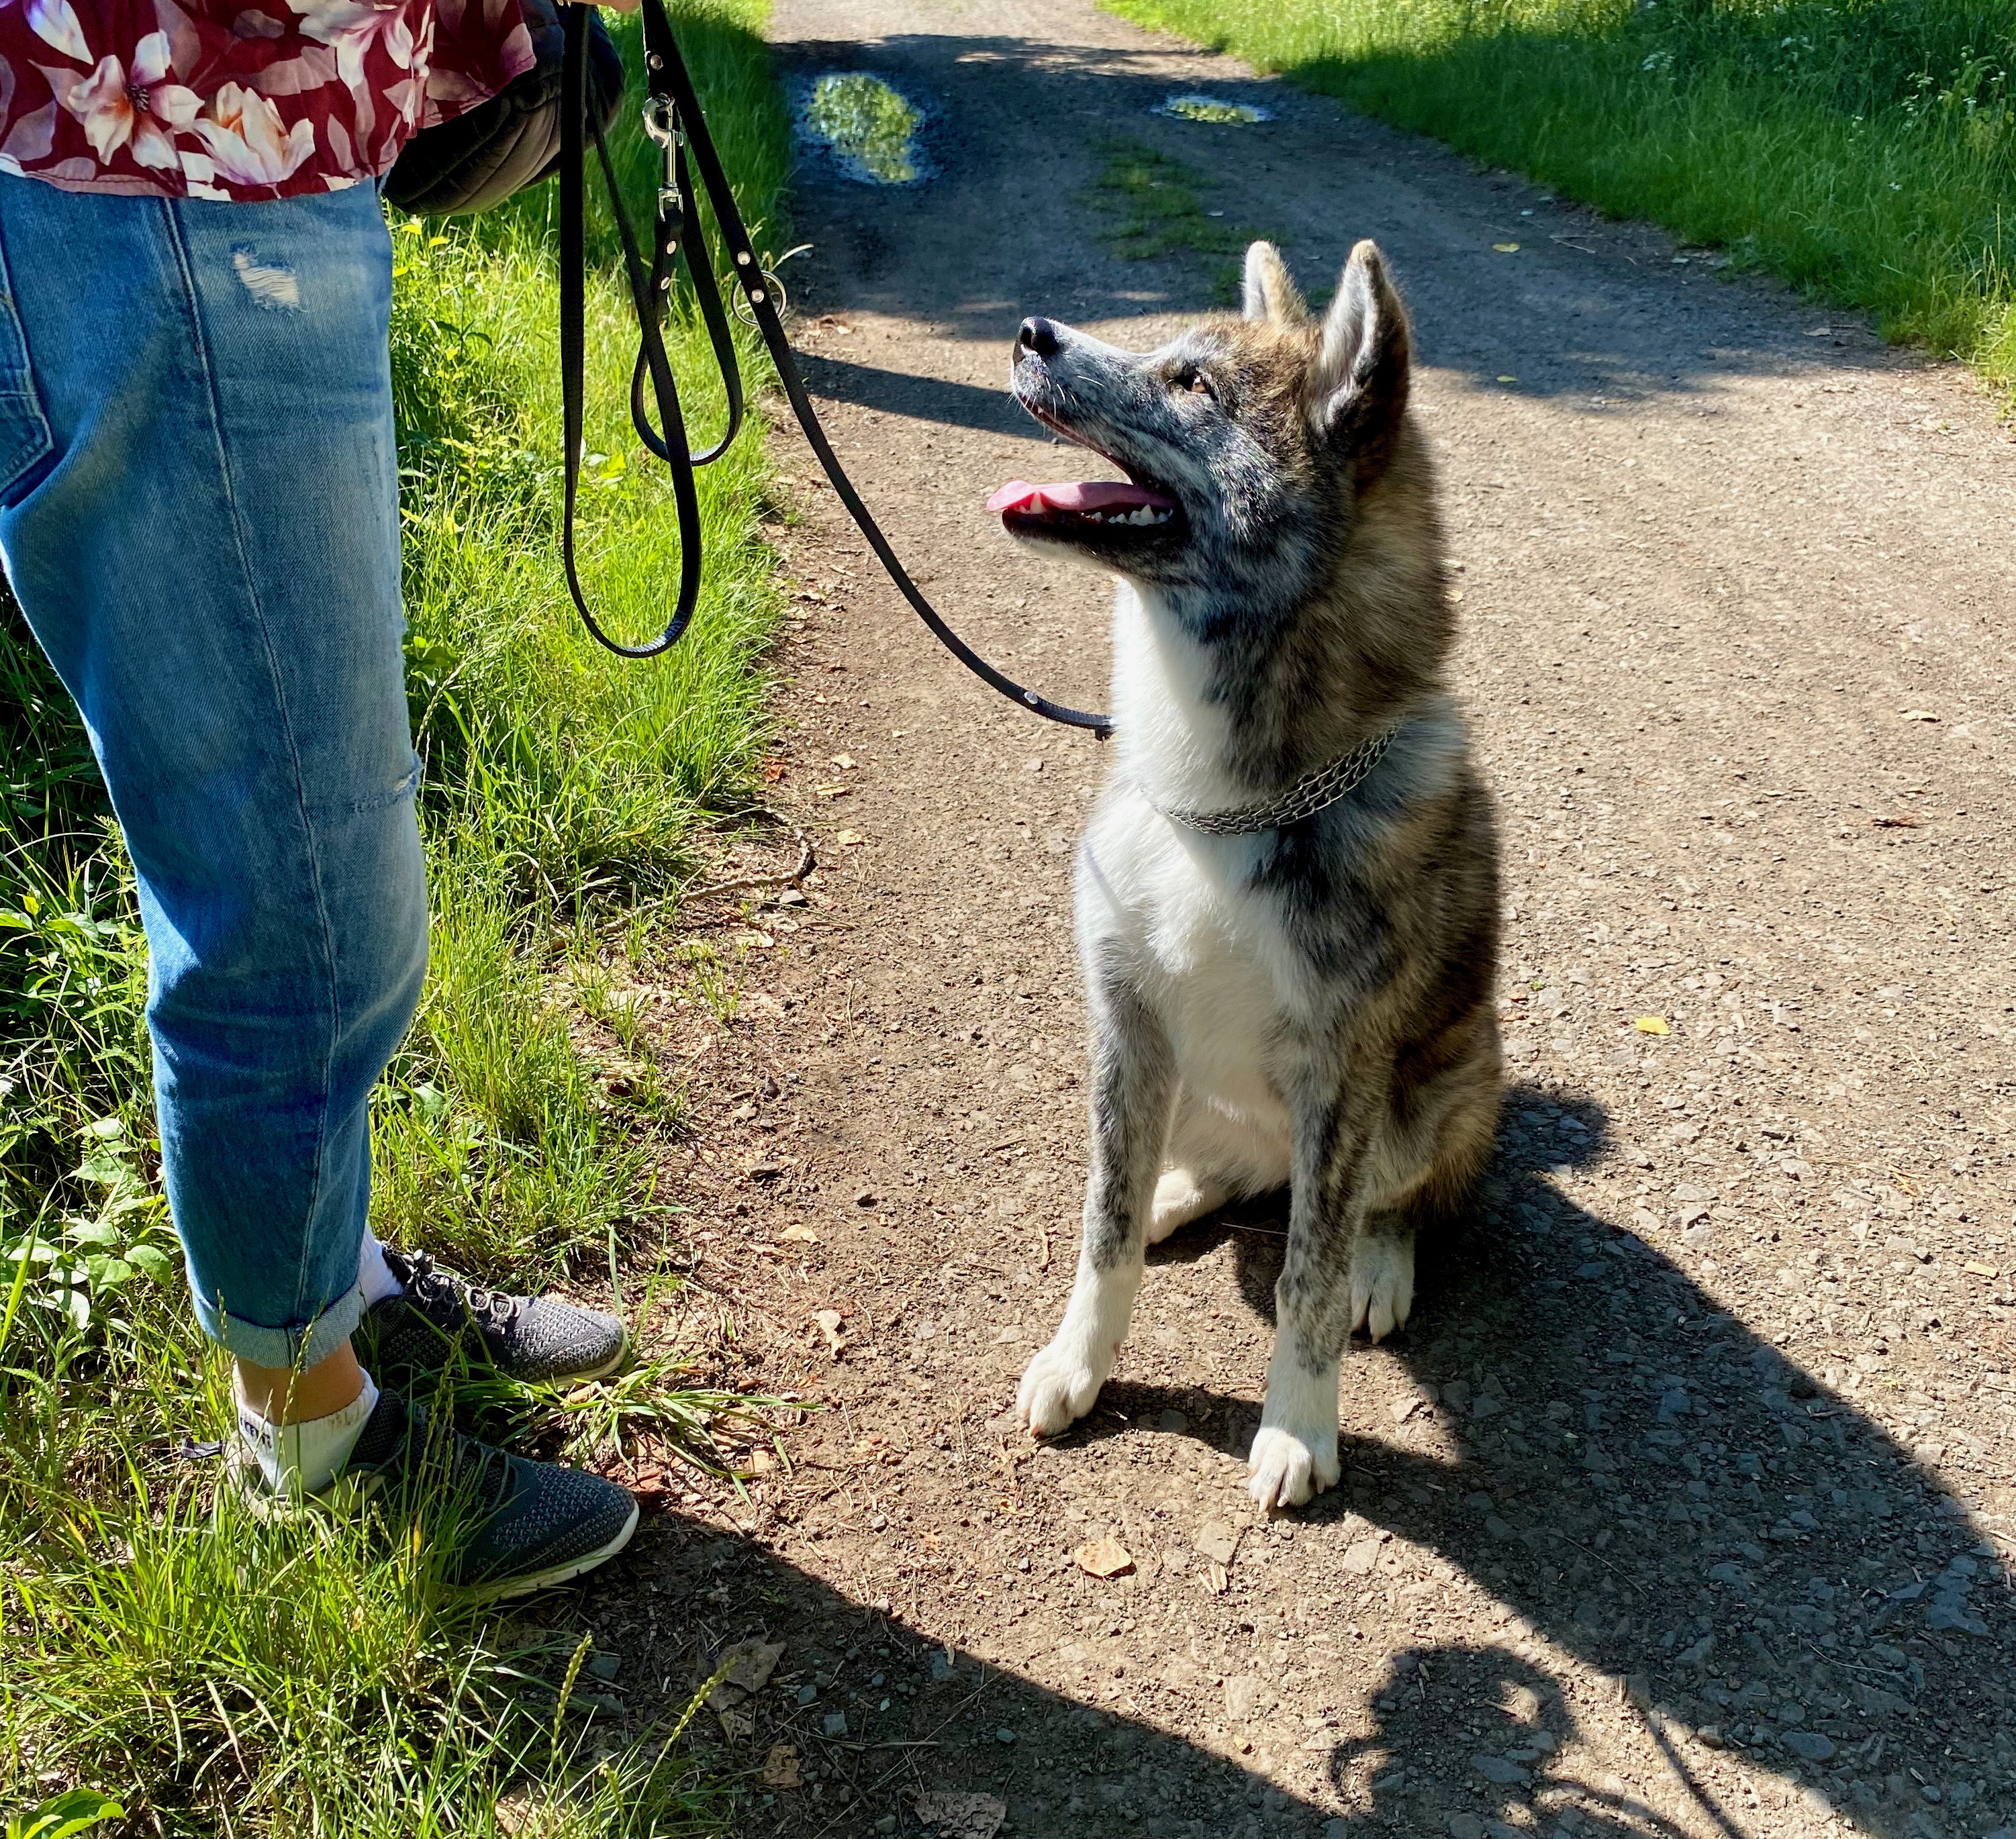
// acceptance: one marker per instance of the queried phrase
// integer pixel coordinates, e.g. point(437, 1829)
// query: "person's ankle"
point(299, 1457)
point(284, 1395)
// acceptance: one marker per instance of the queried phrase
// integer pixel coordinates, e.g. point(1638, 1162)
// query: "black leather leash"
point(672, 118)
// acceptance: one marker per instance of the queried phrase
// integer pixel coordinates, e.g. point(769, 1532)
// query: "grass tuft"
point(1155, 212)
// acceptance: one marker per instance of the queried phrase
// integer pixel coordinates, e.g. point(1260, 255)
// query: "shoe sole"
point(505, 1588)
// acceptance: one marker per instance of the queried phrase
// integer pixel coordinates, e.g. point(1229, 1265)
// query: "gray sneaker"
point(515, 1526)
point(437, 1315)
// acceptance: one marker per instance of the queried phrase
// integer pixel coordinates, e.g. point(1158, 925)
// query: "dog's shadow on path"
point(1654, 1487)
point(1640, 1481)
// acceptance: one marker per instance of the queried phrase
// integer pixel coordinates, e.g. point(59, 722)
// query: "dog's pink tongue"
point(1086, 495)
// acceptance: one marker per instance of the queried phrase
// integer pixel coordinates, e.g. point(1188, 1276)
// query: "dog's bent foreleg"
point(1133, 1085)
point(1294, 1452)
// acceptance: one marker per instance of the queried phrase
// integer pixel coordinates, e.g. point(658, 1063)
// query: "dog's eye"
point(1194, 382)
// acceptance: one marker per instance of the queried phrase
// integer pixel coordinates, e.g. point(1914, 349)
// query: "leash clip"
point(661, 126)
point(661, 122)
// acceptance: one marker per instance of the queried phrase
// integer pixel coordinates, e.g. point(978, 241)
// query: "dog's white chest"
point(1208, 954)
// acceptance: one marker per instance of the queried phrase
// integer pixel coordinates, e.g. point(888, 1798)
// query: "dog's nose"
point(1039, 337)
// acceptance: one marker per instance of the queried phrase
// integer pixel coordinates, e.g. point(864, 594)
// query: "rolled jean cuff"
point(300, 1347)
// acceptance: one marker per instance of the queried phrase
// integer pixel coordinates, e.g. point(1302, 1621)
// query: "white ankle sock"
point(297, 1459)
point(373, 1274)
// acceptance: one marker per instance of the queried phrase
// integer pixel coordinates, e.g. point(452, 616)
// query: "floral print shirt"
point(240, 99)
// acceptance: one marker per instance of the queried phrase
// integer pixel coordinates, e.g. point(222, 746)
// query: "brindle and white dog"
point(1307, 999)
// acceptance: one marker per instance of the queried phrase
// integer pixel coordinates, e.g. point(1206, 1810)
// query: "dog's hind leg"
point(1382, 1274)
point(1191, 1186)
point(1213, 1157)
point(1435, 1142)
point(1133, 1083)
point(1182, 1195)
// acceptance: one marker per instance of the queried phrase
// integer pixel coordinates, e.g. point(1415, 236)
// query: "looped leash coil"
point(672, 119)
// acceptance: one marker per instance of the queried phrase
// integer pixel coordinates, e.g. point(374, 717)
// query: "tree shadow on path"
point(1019, 131)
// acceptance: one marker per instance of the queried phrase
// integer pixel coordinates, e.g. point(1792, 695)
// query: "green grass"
point(1154, 211)
point(210, 1675)
point(1865, 151)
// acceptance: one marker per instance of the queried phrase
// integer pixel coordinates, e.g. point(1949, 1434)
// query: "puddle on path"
point(869, 128)
point(1214, 110)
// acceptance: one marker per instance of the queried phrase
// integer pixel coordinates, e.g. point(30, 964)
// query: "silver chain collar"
point(1315, 792)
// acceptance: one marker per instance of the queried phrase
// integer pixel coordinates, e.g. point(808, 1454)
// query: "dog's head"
point(1247, 442)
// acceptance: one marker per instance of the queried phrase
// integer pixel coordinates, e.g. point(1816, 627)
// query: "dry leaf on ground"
point(800, 1235)
point(749, 1664)
point(780, 1767)
point(1105, 1557)
point(834, 1328)
point(1651, 1024)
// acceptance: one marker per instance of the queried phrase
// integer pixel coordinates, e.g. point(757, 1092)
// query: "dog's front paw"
point(1382, 1285)
point(1059, 1387)
point(1288, 1466)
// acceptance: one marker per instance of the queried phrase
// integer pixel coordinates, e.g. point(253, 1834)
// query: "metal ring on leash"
point(747, 313)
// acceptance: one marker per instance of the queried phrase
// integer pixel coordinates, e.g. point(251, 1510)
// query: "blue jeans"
point(199, 514)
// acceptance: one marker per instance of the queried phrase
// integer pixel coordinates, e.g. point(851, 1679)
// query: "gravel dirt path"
point(1683, 1504)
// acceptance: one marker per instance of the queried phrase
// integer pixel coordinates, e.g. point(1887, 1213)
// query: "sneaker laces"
point(433, 1289)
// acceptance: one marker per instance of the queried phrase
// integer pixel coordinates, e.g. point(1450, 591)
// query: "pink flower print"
point(244, 136)
point(55, 22)
point(352, 27)
point(138, 107)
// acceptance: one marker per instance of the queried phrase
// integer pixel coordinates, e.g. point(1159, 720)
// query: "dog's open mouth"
point(1081, 504)
point(1113, 517)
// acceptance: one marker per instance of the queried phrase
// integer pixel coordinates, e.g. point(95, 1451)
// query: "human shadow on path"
point(1640, 1479)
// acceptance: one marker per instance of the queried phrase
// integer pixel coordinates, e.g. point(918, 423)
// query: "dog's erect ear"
point(1359, 384)
point(1270, 297)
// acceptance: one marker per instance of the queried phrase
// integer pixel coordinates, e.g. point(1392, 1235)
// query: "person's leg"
point(199, 516)
point(208, 552)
